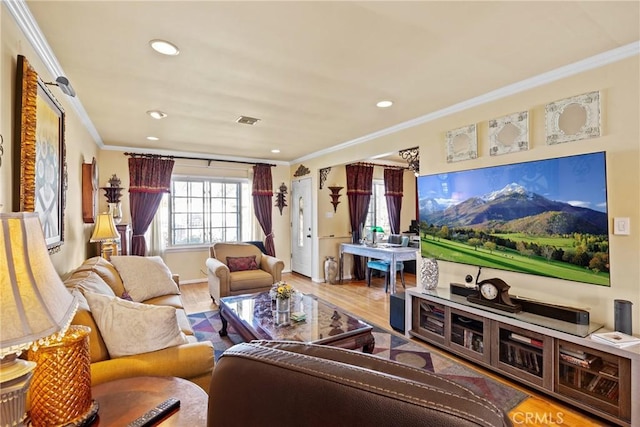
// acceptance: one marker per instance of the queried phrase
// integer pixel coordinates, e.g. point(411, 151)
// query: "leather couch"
point(225, 281)
point(193, 361)
point(297, 384)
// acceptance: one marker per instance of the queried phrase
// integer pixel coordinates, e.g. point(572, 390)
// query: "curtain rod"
point(382, 165)
point(160, 156)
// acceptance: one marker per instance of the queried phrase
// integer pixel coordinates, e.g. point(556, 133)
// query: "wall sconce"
point(63, 83)
point(281, 201)
point(335, 195)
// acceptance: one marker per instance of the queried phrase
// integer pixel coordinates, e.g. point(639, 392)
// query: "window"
point(208, 210)
point(378, 214)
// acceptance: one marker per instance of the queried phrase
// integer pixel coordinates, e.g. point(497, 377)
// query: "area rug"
point(390, 346)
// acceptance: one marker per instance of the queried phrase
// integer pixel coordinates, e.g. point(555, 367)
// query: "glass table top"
point(323, 322)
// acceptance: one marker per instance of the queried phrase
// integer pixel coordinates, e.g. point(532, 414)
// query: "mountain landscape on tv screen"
point(514, 209)
point(544, 217)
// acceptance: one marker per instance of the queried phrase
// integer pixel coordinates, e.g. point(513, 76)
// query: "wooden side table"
point(122, 401)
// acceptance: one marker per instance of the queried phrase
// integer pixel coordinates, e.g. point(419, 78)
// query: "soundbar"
point(559, 312)
point(572, 315)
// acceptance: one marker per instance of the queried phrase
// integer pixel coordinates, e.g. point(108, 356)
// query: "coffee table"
point(252, 316)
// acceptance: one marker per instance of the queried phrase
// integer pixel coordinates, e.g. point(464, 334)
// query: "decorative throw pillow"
point(242, 263)
point(132, 328)
point(145, 277)
point(88, 281)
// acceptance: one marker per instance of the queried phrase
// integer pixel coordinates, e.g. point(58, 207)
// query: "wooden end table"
point(252, 317)
point(122, 401)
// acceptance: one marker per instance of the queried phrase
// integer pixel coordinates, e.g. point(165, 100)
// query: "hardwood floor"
point(372, 305)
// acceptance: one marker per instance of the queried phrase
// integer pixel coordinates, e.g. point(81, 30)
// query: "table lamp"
point(35, 307)
point(375, 229)
point(105, 232)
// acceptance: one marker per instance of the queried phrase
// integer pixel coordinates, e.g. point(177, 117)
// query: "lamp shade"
point(34, 303)
point(105, 229)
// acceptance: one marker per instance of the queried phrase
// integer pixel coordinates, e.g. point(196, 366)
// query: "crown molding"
point(596, 61)
point(26, 22)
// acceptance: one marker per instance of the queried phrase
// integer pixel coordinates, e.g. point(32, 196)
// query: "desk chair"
point(385, 266)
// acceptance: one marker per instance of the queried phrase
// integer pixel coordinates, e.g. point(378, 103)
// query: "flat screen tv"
point(545, 217)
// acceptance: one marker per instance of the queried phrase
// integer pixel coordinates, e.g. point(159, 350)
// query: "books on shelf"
point(617, 339)
point(609, 369)
point(434, 325)
point(575, 353)
point(587, 362)
point(526, 340)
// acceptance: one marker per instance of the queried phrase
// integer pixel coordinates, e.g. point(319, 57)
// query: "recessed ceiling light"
point(384, 104)
point(275, 151)
point(153, 138)
point(157, 114)
point(164, 47)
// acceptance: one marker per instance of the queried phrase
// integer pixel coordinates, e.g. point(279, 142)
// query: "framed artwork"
point(40, 164)
point(572, 119)
point(509, 134)
point(462, 144)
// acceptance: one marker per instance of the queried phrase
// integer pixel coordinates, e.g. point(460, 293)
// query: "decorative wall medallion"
point(509, 134)
point(302, 171)
point(462, 144)
point(572, 119)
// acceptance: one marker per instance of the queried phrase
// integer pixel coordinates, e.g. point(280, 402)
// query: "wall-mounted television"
point(545, 217)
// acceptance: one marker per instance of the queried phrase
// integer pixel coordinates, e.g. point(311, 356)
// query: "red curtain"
point(359, 189)
point(393, 183)
point(262, 196)
point(149, 178)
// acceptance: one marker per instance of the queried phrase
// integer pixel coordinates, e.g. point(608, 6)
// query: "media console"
point(553, 356)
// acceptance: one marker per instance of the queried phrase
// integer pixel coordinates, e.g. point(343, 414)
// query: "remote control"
point(156, 414)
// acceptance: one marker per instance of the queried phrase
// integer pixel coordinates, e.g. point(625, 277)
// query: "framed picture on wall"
point(40, 177)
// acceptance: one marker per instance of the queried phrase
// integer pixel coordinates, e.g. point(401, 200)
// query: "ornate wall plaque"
point(302, 171)
point(462, 144)
point(509, 134)
point(572, 119)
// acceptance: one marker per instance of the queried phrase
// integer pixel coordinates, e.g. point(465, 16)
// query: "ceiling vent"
point(246, 120)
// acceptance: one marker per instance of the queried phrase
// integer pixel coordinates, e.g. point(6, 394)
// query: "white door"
point(301, 216)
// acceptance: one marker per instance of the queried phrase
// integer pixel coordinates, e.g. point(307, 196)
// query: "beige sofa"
point(192, 360)
point(229, 273)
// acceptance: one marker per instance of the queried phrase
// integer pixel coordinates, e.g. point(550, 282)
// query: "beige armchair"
point(231, 270)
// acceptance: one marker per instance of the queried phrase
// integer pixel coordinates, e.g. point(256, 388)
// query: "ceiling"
point(312, 72)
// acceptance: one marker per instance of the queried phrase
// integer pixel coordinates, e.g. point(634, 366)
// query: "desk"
point(122, 401)
point(391, 254)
